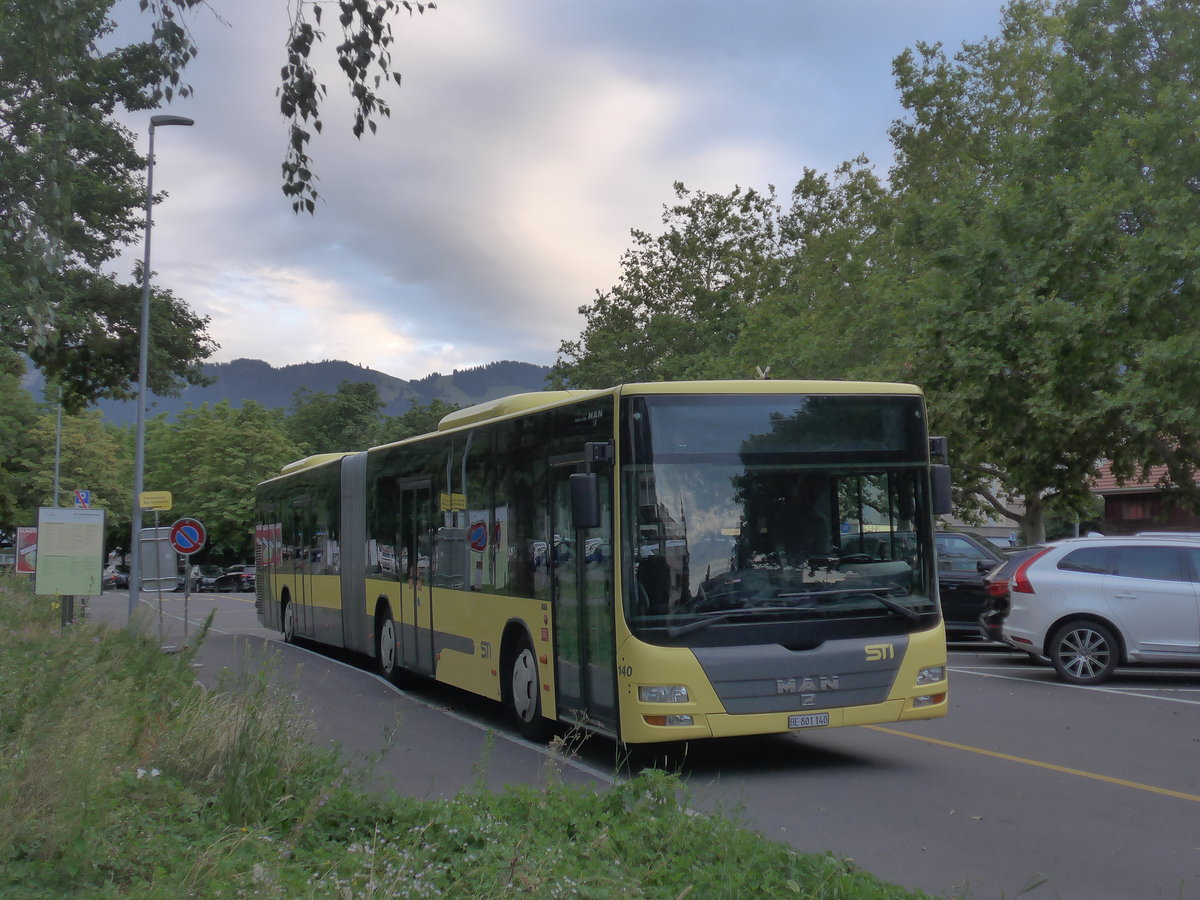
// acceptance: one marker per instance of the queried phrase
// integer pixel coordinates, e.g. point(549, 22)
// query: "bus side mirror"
point(585, 500)
point(942, 503)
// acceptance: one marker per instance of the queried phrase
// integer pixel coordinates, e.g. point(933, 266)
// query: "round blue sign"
point(477, 536)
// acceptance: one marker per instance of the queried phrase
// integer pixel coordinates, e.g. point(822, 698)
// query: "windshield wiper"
point(718, 616)
point(883, 597)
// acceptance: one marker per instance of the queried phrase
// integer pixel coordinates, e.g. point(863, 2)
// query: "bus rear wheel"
point(289, 623)
point(525, 694)
point(386, 651)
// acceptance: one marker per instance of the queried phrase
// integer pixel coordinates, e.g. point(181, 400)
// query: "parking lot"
point(1030, 787)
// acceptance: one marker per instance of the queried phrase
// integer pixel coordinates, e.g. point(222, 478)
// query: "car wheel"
point(289, 623)
point(525, 694)
point(1084, 652)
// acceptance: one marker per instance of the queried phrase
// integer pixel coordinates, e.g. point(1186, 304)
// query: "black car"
point(963, 562)
point(995, 585)
point(235, 579)
point(204, 578)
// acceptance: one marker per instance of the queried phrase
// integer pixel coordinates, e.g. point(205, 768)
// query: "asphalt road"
point(1029, 787)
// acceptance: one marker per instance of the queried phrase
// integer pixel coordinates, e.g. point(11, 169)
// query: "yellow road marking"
point(1179, 795)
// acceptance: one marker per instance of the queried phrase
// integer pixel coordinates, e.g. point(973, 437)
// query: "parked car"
point(248, 578)
point(115, 577)
point(204, 578)
point(995, 586)
point(235, 578)
point(1089, 605)
point(963, 561)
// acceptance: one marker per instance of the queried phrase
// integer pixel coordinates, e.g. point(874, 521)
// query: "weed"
point(121, 778)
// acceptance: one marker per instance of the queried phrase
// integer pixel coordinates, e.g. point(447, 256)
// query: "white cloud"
point(525, 143)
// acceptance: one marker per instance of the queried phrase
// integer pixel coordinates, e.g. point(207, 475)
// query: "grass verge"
point(120, 777)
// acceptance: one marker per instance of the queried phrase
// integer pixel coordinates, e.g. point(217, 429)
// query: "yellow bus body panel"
point(478, 621)
point(645, 664)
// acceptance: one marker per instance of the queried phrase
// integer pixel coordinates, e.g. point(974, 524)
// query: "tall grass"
point(120, 777)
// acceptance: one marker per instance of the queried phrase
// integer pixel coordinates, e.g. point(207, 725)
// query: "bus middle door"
point(416, 558)
point(302, 565)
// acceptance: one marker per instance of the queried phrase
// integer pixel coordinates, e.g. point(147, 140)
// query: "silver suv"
point(1091, 604)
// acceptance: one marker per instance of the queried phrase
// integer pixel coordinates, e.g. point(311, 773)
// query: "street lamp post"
point(139, 456)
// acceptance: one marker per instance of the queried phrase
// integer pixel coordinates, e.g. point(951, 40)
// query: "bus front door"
point(416, 553)
point(583, 608)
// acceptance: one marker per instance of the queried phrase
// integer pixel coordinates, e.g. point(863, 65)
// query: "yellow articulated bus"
point(654, 562)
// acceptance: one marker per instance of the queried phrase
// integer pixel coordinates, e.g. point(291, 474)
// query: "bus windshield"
point(768, 519)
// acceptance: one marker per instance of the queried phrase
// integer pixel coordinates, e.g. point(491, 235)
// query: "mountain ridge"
point(243, 379)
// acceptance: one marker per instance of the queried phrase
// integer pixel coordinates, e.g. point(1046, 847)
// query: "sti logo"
point(880, 652)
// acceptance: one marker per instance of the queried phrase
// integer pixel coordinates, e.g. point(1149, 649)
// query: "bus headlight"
point(663, 693)
point(931, 675)
point(669, 720)
point(928, 700)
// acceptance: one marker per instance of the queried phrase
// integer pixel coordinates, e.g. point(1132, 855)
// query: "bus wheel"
point(289, 622)
point(385, 649)
point(525, 694)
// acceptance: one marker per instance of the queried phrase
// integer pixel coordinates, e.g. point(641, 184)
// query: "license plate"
point(809, 720)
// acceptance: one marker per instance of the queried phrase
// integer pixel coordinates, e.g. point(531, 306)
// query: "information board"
point(70, 551)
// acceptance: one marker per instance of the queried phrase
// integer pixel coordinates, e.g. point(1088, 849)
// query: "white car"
point(1091, 604)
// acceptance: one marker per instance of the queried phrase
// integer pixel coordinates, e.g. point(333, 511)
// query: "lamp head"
point(170, 120)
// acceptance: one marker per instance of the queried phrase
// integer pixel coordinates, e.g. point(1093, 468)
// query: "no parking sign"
point(477, 535)
point(187, 536)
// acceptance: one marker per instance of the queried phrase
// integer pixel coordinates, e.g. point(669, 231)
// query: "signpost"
point(187, 536)
point(156, 500)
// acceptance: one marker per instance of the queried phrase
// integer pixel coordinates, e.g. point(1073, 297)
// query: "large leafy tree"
point(18, 413)
point(71, 197)
point(91, 456)
point(347, 419)
point(71, 192)
point(683, 295)
point(736, 285)
point(210, 460)
point(829, 314)
point(420, 419)
point(1049, 183)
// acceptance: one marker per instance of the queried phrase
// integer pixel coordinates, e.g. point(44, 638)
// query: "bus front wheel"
point(525, 694)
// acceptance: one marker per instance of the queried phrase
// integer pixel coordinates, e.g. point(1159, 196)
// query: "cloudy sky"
point(526, 141)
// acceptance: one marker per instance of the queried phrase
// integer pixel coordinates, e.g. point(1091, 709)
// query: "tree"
point(364, 56)
point(210, 461)
point(328, 423)
point(91, 457)
point(418, 420)
point(736, 285)
point(71, 192)
point(71, 196)
point(830, 313)
point(683, 295)
point(92, 350)
point(18, 413)
point(1049, 184)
